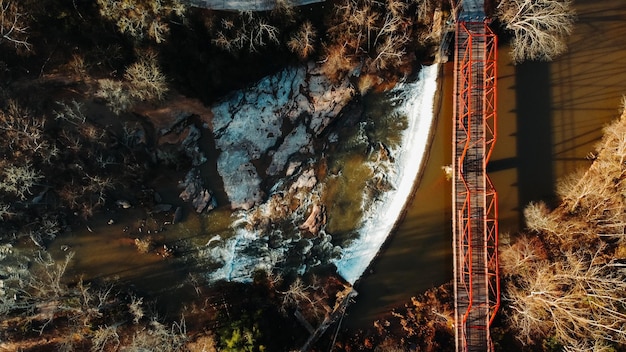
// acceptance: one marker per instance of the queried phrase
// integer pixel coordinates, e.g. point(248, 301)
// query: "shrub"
point(19, 180)
point(303, 41)
point(145, 79)
point(142, 18)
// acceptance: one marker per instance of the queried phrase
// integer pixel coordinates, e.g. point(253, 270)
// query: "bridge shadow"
point(531, 157)
point(535, 176)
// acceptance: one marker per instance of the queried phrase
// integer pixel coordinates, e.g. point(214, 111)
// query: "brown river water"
point(549, 117)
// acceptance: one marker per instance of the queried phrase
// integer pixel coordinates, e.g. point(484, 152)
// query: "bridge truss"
point(475, 214)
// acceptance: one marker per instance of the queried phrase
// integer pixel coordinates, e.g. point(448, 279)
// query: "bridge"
point(475, 208)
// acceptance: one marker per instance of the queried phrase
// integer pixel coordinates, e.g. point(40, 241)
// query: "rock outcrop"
point(249, 125)
point(193, 191)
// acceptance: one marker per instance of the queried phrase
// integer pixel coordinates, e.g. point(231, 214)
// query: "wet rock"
point(306, 180)
point(293, 167)
point(178, 215)
point(241, 179)
point(298, 140)
point(161, 208)
point(193, 191)
point(249, 125)
point(316, 220)
point(190, 146)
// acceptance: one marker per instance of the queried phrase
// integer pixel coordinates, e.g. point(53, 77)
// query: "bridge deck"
point(475, 213)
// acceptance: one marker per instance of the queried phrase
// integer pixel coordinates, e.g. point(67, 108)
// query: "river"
point(550, 115)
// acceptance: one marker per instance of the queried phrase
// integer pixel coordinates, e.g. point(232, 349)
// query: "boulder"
point(193, 191)
point(316, 219)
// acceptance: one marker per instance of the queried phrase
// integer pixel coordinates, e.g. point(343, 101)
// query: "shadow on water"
point(531, 126)
point(535, 178)
point(419, 261)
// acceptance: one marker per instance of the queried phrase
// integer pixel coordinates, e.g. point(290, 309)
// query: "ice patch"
point(242, 255)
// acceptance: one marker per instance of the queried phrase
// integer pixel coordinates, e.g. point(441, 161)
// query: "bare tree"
point(145, 78)
point(376, 31)
point(159, 337)
point(337, 62)
point(539, 218)
point(524, 253)
point(566, 281)
point(20, 179)
point(105, 337)
point(425, 10)
point(116, 95)
point(143, 81)
point(142, 18)
point(21, 131)
point(303, 41)
point(540, 27)
point(246, 31)
point(578, 298)
point(13, 26)
point(390, 51)
point(309, 298)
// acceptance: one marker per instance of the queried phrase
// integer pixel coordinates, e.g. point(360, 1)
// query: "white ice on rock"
point(242, 255)
point(244, 184)
point(297, 140)
point(248, 124)
point(417, 103)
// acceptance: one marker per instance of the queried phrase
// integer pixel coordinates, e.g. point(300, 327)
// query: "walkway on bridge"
point(475, 227)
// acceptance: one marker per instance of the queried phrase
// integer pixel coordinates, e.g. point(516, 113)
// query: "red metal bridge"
point(475, 210)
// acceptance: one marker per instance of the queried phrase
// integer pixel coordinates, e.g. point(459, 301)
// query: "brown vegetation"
point(142, 19)
point(424, 324)
point(540, 28)
point(568, 282)
point(14, 25)
point(378, 35)
point(38, 309)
